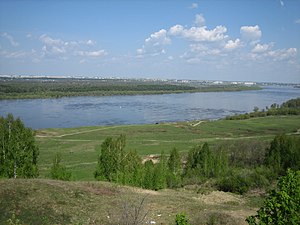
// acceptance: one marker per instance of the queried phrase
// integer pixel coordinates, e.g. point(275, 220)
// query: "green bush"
point(58, 171)
point(282, 206)
point(181, 219)
point(235, 183)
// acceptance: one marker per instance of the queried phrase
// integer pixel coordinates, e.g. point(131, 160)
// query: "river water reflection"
point(141, 109)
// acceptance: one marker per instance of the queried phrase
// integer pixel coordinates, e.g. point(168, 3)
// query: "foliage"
point(110, 158)
point(181, 219)
point(174, 169)
point(131, 169)
point(58, 171)
point(160, 172)
point(291, 107)
point(236, 182)
point(203, 162)
point(242, 180)
point(148, 175)
point(282, 206)
point(18, 150)
point(283, 153)
point(13, 220)
point(67, 87)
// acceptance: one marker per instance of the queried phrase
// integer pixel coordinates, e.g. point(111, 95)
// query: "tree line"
point(291, 107)
point(201, 163)
point(68, 87)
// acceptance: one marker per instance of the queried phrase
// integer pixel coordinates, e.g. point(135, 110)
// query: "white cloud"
point(90, 42)
point(199, 20)
point(176, 30)
point(203, 50)
point(274, 55)
point(10, 39)
point(232, 45)
point(140, 51)
point(98, 53)
point(199, 34)
point(158, 38)
point(15, 54)
point(251, 33)
point(155, 43)
point(283, 54)
point(194, 6)
point(262, 48)
point(50, 41)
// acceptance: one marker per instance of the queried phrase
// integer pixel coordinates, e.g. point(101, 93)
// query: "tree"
point(131, 171)
point(110, 158)
point(148, 174)
point(18, 150)
point(282, 206)
point(200, 160)
point(58, 171)
point(283, 153)
point(174, 162)
point(174, 169)
point(220, 163)
point(160, 172)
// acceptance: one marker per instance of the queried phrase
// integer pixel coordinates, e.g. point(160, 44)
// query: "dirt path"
point(196, 124)
point(80, 132)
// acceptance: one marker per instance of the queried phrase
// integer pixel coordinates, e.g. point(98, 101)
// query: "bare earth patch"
point(220, 197)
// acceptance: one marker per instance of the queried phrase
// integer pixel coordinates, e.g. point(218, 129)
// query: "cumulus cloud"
point(232, 45)
point(65, 49)
point(262, 48)
point(283, 54)
point(50, 41)
point(158, 38)
point(251, 33)
point(199, 34)
point(154, 45)
point(10, 39)
point(199, 20)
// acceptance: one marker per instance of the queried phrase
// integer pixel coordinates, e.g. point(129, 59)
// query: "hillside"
point(39, 201)
point(77, 145)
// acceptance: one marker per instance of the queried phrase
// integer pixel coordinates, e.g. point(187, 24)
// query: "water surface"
point(141, 109)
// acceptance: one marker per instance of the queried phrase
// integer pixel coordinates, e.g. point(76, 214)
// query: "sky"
point(230, 40)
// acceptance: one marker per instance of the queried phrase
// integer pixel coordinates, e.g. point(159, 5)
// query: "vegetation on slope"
point(244, 159)
point(40, 201)
point(244, 141)
point(291, 107)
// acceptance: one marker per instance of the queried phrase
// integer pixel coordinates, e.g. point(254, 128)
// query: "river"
point(141, 109)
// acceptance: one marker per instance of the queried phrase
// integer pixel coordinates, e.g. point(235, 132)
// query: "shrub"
point(282, 206)
point(235, 183)
point(181, 219)
point(58, 171)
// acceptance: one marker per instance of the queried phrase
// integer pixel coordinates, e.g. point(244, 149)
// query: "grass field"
point(40, 201)
point(85, 201)
point(78, 145)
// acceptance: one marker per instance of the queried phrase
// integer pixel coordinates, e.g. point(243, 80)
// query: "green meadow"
point(78, 146)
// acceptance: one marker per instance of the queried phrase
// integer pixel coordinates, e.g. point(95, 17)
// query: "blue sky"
point(240, 40)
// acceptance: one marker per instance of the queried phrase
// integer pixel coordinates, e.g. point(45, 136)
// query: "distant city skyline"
point(199, 40)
